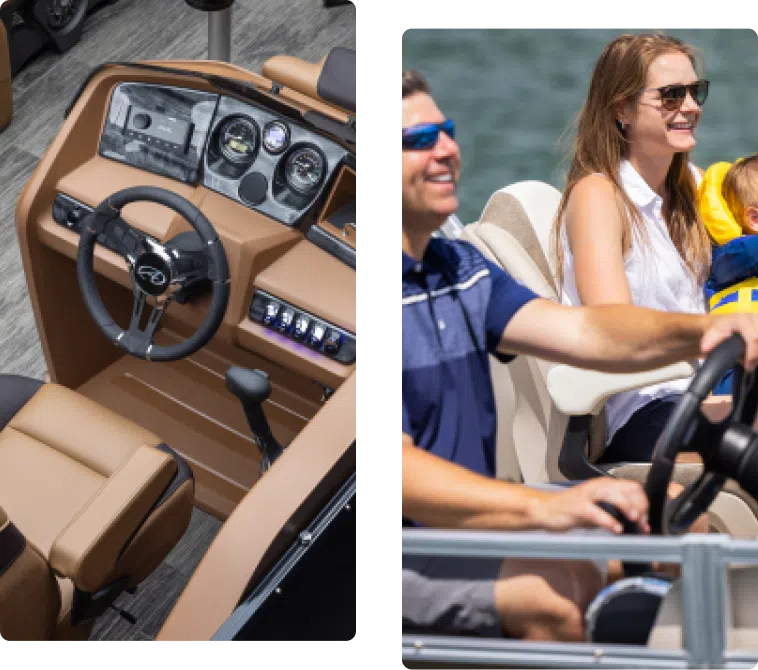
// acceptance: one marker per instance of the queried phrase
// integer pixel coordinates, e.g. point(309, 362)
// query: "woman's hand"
point(721, 326)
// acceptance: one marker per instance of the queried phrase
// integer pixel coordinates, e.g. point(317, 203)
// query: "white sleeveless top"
point(658, 278)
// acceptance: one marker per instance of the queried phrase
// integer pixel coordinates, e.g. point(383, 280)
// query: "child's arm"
point(734, 261)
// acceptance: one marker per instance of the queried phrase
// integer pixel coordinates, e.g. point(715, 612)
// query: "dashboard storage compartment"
point(336, 229)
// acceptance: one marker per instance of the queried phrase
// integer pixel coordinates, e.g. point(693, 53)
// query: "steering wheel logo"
point(151, 274)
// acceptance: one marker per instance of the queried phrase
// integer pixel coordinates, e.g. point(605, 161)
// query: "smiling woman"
point(627, 228)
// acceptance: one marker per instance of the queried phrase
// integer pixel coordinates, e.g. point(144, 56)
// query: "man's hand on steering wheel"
point(724, 325)
point(577, 506)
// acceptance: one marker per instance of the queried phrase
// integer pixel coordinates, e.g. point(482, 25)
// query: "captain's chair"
point(551, 420)
point(90, 504)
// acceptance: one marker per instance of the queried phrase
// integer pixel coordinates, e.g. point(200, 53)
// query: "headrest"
point(717, 217)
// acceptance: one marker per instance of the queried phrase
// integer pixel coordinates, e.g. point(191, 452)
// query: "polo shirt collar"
point(636, 187)
point(433, 260)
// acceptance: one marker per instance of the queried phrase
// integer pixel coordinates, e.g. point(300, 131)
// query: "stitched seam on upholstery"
point(119, 512)
point(56, 450)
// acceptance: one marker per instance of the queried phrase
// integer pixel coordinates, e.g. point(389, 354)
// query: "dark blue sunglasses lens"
point(426, 136)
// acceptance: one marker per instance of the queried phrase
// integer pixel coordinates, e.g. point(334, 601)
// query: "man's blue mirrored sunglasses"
point(425, 135)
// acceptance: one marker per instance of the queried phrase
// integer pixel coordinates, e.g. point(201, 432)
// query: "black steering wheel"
point(187, 263)
point(728, 448)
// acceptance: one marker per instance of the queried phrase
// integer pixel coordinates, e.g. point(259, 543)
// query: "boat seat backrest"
point(514, 232)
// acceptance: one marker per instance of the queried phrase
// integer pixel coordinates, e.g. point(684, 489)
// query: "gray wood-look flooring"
point(132, 30)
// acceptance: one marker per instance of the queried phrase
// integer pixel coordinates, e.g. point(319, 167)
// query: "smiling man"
point(457, 308)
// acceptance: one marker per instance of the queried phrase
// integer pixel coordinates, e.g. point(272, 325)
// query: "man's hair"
point(740, 187)
point(414, 82)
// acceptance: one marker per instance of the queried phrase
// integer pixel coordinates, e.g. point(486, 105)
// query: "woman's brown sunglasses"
point(673, 96)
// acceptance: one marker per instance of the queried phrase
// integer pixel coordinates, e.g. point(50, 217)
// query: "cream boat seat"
point(536, 399)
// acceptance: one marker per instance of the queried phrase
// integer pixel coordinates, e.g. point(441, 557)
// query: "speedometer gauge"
point(276, 137)
point(238, 140)
point(304, 169)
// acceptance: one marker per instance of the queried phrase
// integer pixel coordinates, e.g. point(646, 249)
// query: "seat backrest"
point(514, 231)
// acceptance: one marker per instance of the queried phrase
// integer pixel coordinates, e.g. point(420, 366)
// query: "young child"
point(728, 204)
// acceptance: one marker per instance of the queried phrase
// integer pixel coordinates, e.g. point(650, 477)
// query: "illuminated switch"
point(332, 342)
point(272, 309)
point(285, 320)
point(301, 327)
point(317, 335)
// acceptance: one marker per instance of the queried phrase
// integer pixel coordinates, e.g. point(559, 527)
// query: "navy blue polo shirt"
point(456, 305)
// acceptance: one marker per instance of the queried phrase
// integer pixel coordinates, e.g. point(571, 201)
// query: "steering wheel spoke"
point(122, 238)
point(138, 340)
point(681, 512)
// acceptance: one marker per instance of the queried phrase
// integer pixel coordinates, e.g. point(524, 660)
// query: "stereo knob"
point(141, 121)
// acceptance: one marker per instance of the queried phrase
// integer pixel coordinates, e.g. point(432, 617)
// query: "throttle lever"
point(631, 569)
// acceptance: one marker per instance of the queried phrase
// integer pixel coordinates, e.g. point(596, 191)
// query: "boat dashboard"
point(245, 152)
point(278, 189)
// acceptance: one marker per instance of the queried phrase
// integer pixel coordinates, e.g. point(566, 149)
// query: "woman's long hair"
point(620, 75)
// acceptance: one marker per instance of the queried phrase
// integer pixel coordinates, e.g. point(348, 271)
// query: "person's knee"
point(543, 603)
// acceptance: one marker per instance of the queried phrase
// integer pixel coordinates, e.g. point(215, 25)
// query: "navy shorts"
point(635, 441)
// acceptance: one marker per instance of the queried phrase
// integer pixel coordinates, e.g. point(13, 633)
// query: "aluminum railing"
point(705, 599)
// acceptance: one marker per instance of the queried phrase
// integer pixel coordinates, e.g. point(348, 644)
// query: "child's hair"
point(740, 187)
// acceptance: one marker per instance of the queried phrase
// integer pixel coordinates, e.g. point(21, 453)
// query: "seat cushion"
point(79, 480)
point(86, 432)
point(41, 489)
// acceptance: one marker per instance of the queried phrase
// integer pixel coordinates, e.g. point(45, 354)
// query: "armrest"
point(86, 550)
point(577, 392)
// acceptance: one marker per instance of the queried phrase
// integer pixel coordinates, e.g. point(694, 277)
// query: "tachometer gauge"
point(238, 141)
point(276, 137)
point(304, 169)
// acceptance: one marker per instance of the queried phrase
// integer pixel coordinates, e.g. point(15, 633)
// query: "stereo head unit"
point(159, 129)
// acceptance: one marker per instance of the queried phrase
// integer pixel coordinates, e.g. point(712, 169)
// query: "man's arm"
point(621, 338)
point(442, 494)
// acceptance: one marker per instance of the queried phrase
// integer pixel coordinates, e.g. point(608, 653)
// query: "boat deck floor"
point(156, 596)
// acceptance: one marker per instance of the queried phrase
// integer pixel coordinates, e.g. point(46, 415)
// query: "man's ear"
point(751, 219)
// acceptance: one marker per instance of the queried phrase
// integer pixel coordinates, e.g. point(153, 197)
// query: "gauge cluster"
point(270, 164)
point(243, 151)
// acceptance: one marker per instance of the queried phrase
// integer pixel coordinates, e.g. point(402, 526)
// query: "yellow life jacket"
point(742, 297)
point(723, 228)
point(716, 215)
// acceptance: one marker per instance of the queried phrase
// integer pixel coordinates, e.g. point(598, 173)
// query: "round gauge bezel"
point(287, 139)
point(225, 152)
point(295, 150)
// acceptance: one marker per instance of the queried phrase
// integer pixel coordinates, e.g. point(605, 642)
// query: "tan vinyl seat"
point(6, 93)
point(90, 504)
point(514, 231)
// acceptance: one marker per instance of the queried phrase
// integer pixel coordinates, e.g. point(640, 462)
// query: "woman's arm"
point(594, 230)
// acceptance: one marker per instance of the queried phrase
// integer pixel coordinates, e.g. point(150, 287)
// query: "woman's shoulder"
point(593, 186)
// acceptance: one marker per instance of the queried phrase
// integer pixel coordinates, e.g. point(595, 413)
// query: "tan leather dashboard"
point(261, 252)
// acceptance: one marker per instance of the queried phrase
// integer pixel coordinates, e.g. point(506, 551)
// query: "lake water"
point(514, 93)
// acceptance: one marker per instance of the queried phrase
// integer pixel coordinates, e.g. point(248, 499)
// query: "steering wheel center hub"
point(153, 273)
